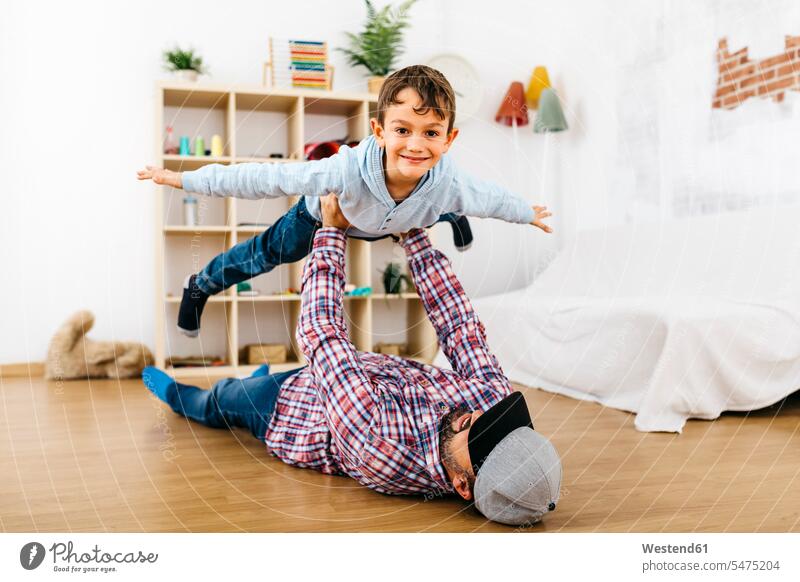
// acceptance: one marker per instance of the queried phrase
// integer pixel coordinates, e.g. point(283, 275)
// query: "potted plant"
point(380, 43)
point(185, 64)
point(394, 280)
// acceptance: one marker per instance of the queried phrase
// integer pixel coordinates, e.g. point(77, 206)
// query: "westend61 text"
point(670, 549)
point(95, 554)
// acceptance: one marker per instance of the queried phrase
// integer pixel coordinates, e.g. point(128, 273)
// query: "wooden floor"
point(106, 456)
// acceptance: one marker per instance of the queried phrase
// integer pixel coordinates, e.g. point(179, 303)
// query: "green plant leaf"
point(380, 43)
point(178, 59)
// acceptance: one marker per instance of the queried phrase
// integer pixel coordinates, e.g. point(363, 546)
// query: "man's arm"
point(461, 334)
point(344, 389)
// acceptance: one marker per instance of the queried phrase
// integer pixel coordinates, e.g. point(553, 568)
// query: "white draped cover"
point(674, 320)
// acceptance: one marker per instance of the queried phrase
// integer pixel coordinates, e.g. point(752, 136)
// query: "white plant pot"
point(186, 75)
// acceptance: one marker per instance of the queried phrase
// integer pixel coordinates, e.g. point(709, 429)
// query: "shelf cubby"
point(188, 254)
point(331, 120)
point(415, 331)
point(210, 343)
point(211, 212)
point(194, 113)
point(272, 322)
point(268, 125)
point(270, 285)
point(255, 216)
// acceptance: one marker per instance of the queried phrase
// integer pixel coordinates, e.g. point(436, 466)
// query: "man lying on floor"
point(391, 424)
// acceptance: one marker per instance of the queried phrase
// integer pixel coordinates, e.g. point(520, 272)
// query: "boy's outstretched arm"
point(484, 199)
point(161, 176)
point(541, 214)
point(254, 181)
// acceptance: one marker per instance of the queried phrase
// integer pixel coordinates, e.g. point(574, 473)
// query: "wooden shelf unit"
point(231, 111)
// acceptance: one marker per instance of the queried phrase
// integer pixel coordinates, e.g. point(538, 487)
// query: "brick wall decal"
point(740, 78)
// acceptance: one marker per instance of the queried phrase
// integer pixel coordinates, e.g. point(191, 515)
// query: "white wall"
point(636, 78)
point(695, 159)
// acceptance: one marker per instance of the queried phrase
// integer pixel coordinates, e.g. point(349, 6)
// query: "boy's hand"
point(541, 213)
point(331, 213)
point(161, 176)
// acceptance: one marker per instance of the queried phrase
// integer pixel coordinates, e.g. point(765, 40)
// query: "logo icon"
point(31, 555)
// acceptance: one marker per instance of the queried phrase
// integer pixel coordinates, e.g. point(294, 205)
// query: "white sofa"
point(674, 320)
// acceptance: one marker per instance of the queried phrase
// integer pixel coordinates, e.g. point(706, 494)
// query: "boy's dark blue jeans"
point(288, 240)
point(248, 403)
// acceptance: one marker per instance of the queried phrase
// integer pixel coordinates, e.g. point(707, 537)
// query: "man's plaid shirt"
point(371, 416)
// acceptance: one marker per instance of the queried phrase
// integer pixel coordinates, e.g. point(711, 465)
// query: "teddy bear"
point(73, 356)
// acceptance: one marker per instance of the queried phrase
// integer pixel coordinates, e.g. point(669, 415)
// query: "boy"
point(395, 180)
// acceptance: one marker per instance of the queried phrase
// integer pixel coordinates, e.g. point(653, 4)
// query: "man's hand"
point(331, 213)
point(541, 213)
point(161, 176)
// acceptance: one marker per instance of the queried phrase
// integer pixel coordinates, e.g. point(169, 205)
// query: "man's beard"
point(446, 436)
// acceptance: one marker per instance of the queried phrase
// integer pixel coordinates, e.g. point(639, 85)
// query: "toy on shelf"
point(298, 63)
point(190, 211)
point(184, 147)
point(216, 146)
point(199, 146)
point(170, 147)
point(246, 290)
point(358, 292)
point(325, 149)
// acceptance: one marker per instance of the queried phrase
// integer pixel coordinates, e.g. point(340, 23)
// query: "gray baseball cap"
point(520, 480)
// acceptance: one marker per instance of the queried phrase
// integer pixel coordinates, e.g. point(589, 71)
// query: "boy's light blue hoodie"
point(356, 176)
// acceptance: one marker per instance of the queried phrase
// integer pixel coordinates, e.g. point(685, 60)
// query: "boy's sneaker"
point(462, 233)
point(192, 304)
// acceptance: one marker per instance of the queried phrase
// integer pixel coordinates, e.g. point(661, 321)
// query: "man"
point(393, 425)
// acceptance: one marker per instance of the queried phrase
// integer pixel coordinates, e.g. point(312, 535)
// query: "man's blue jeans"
point(248, 403)
point(288, 240)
